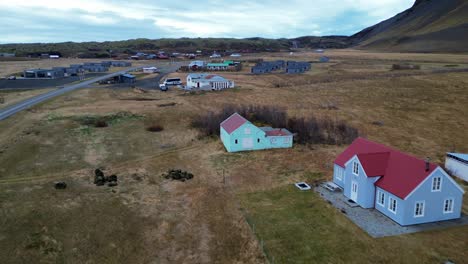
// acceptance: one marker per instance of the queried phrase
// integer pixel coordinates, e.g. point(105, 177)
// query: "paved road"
point(11, 110)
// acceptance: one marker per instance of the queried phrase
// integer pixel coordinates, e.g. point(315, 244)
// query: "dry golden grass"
point(12, 96)
point(200, 220)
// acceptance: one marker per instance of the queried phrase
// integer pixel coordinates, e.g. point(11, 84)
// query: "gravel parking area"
point(375, 223)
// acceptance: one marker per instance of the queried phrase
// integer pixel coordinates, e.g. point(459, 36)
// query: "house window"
point(448, 206)
point(258, 140)
point(339, 174)
point(355, 168)
point(392, 205)
point(419, 209)
point(436, 184)
point(236, 141)
point(381, 198)
point(247, 131)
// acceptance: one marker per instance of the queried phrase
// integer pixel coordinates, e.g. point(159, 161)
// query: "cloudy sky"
point(101, 20)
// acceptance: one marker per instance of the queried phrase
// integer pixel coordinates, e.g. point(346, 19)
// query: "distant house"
point(238, 134)
point(7, 54)
point(54, 57)
point(406, 189)
point(217, 66)
point(197, 65)
point(44, 73)
point(150, 70)
point(457, 164)
point(121, 64)
point(203, 81)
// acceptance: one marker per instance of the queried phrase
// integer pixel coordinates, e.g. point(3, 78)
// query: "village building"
point(44, 73)
point(238, 134)
point(457, 164)
point(204, 81)
point(404, 188)
point(194, 65)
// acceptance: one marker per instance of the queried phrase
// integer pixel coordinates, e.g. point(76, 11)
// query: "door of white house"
point(247, 143)
point(354, 190)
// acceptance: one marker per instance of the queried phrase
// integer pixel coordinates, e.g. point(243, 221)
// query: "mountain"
point(428, 26)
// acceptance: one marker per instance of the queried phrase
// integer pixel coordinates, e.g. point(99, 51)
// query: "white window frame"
point(422, 205)
point(247, 131)
point(392, 200)
point(339, 174)
point(436, 183)
point(355, 168)
point(452, 202)
point(379, 195)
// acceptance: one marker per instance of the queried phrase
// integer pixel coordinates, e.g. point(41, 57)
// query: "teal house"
point(238, 134)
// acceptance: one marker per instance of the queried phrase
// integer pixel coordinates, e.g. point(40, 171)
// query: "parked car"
point(215, 56)
point(236, 55)
point(163, 87)
point(11, 77)
point(172, 81)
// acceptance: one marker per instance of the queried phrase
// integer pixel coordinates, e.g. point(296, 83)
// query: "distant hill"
point(186, 45)
point(428, 26)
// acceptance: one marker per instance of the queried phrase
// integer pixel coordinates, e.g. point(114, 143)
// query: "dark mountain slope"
point(428, 26)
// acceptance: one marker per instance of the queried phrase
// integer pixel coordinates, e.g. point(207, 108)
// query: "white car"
point(172, 81)
point(215, 56)
point(163, 87)
point(236, 55)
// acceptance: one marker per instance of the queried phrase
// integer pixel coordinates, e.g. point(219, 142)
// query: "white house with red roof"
point(406, 189)
point(238, 134)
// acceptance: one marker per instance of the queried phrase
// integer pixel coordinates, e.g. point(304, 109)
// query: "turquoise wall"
point(250, 137)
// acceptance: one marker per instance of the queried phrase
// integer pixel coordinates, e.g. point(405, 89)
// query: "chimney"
point(427, 163)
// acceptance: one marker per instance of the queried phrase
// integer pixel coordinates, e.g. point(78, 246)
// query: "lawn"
point(300, 227)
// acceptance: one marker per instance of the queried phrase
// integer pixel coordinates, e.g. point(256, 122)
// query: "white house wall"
point(457, 168)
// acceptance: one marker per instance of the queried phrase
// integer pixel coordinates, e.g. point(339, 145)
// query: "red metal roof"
point(277, 132)
point(233, 122)
point(401, 173)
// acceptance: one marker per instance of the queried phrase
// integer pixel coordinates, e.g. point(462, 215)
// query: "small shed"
point(457, 164)
point(127, 78)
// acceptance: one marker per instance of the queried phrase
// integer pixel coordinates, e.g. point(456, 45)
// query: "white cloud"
point(208, 18)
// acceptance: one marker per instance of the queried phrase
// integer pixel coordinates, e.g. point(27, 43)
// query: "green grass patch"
point(111, 119)
point(300, 227)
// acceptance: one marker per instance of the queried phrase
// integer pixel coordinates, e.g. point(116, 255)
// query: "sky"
point(28, 21)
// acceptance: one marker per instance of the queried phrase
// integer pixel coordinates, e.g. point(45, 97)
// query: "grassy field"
point(300, 227)
point(13, 96)
point(210, 218)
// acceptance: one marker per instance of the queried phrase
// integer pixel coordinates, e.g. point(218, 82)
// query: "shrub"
point(154, 128)
point(310, 130)
point(100, 123)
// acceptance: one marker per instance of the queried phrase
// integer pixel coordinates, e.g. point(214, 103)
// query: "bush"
point(310, 130)
point(100, 123)
point(154, 128)
point(178, 175)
